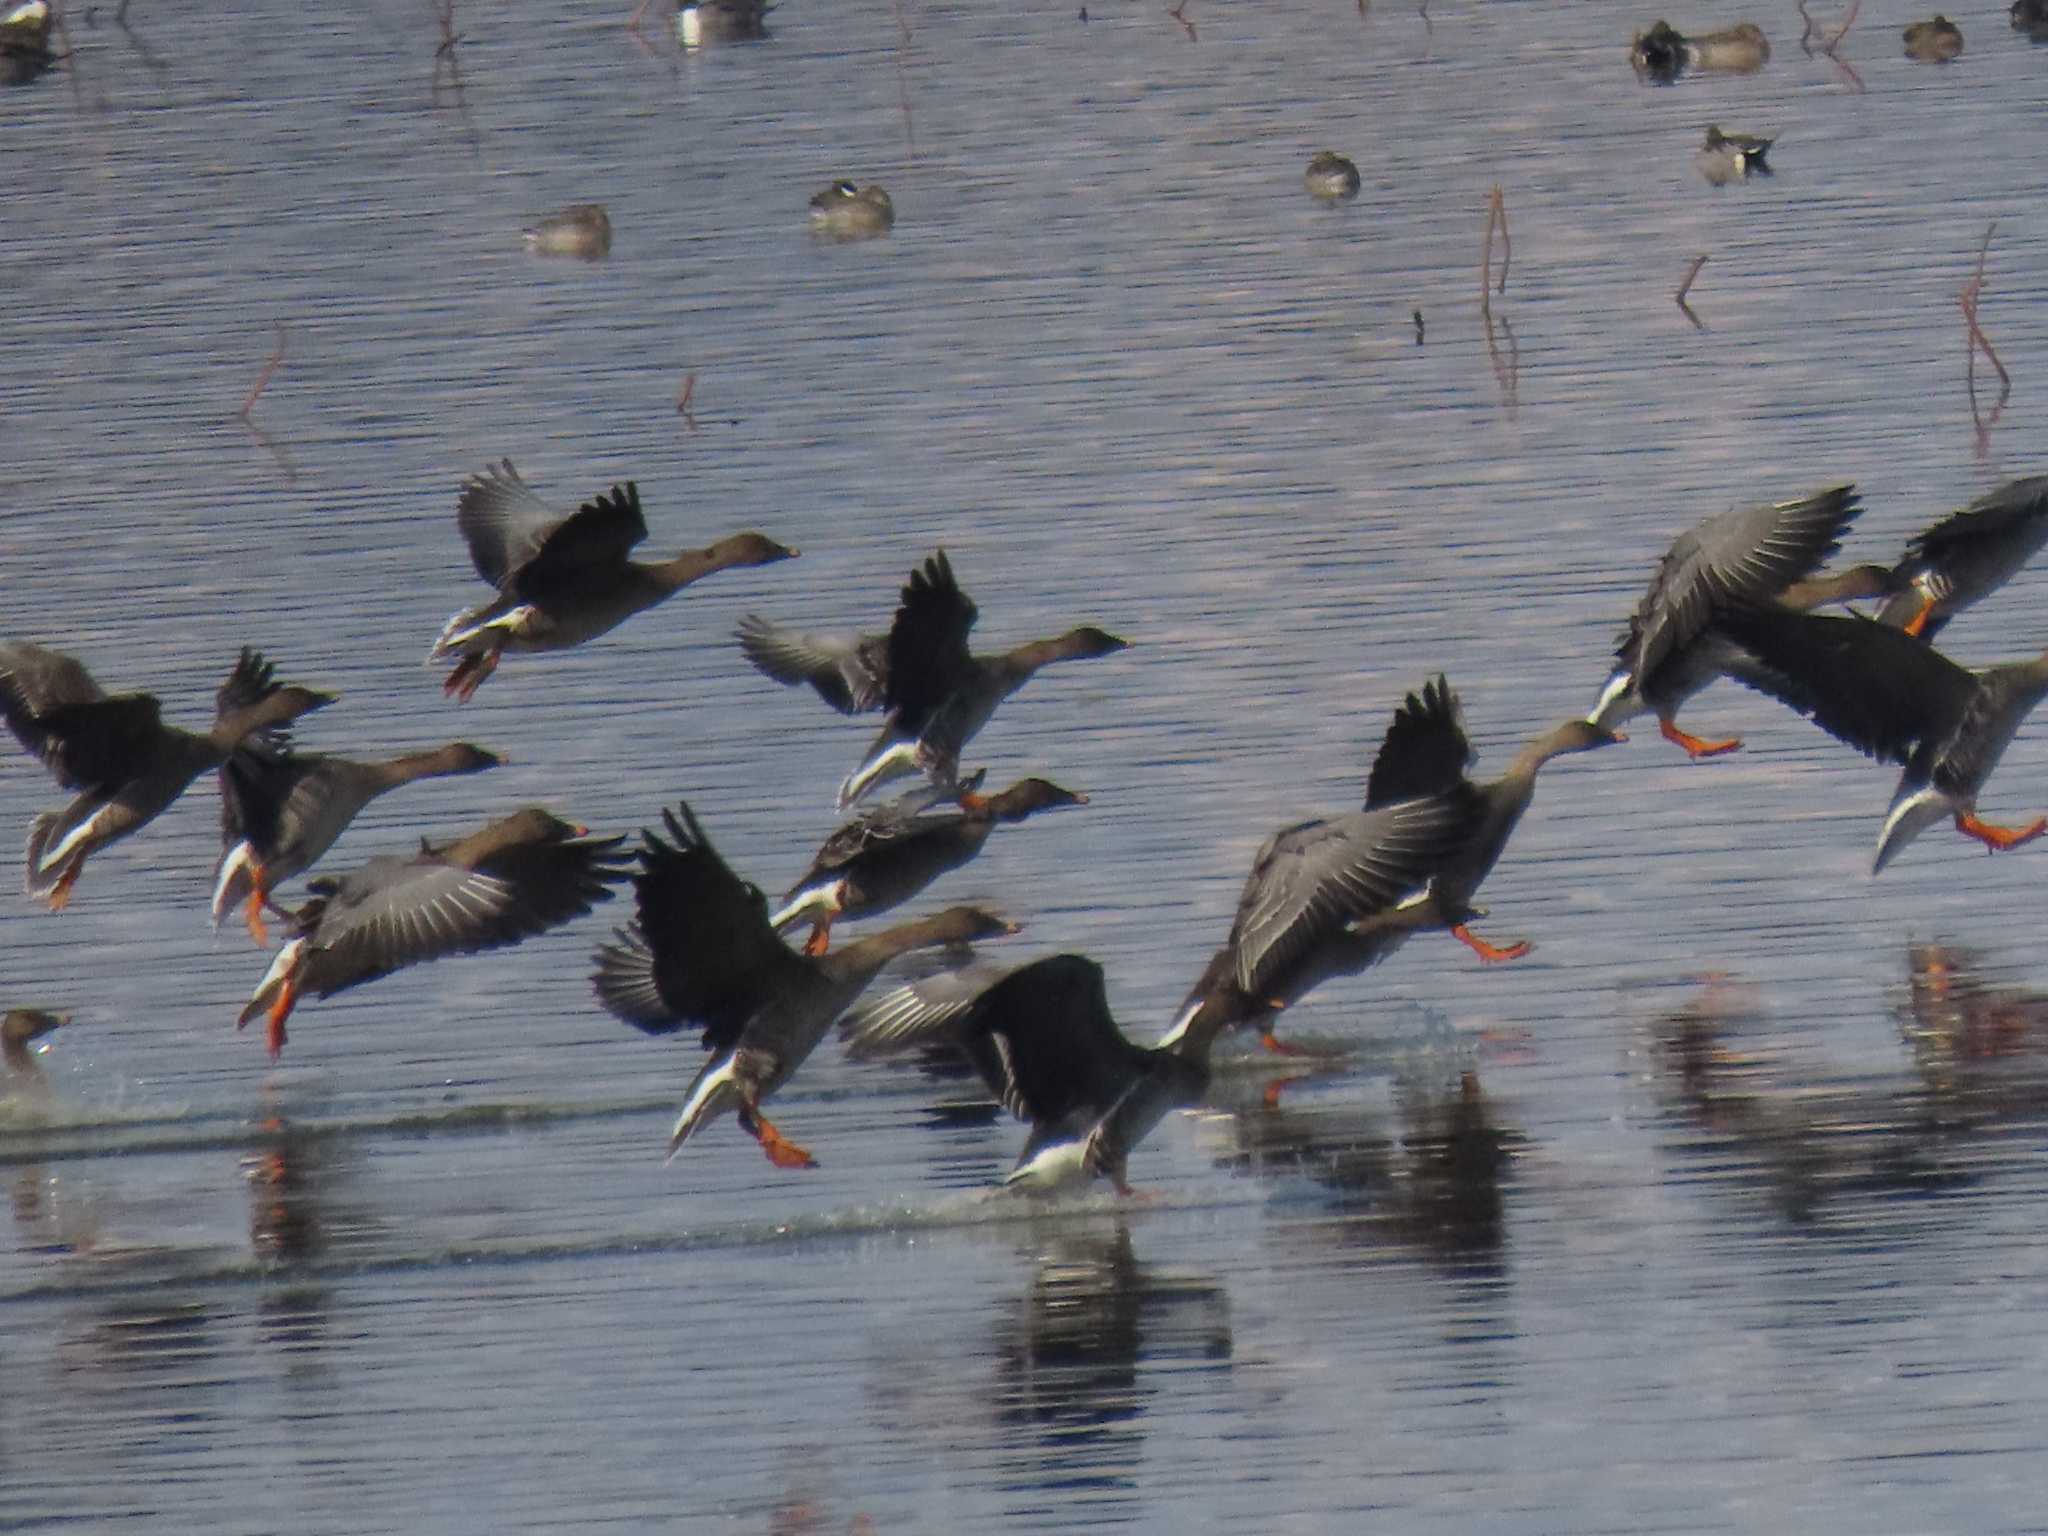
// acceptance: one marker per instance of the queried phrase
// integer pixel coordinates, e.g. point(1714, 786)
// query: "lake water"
point(1702, 1218)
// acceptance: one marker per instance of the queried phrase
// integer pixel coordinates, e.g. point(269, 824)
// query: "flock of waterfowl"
point(1735, 596)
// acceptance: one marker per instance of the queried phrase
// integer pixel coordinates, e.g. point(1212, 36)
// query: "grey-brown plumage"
point(1313, 887)
point(25, 42)
point(1670, 650)
point(701, 954)
point(124, 764)
point(1900, 701)
point(563, 580)
point(1426, 752)
point(1967, 556)
point(519, 876)
point(281, 811)
point(938, 693)
point(20, 1029)
point(848, 671)
point(884, 857)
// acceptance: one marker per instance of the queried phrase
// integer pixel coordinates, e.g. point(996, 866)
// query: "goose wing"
point(502, 521)
point(928, 660)
point(1862, 682)
point(1748, 554)
point(87, 740)
point(587, 547)
point(700, 951)
point(1047, 1044)
point(1971, 553)
point(846, 670)
point(1425, 751)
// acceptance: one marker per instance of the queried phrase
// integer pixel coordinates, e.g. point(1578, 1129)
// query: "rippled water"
point(1584, 1243)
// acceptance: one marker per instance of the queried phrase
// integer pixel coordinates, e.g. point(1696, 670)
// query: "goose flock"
point(1734, 596)
point(1737, 596)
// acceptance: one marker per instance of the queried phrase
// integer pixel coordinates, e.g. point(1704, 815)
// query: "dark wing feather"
point(1425, 751)
point(1749, 554)
point(1971, 553)
point(254, 788)
point(1057, 1050)
point(1870, 686)
point(396, 912)
point(900, 821)
point(704, 937)
point(502, 521)
point(847, 673)
point(928, 656)
point(590, 545)
point(252, 680)
point(56, 711)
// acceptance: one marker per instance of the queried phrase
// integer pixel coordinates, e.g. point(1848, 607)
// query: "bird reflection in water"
point(1068, 1356)
point(1432, 1185)
point(1979, 1049)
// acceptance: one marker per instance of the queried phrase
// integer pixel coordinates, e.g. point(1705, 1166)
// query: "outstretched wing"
point(928, 656)
point(1055, 1049)
point(847, 671)
point(1862, 682)
point(57, 712)
point(502, 521)
point(589, 545)
point(1425, 751)
point(1750, 554)
point(701, 951)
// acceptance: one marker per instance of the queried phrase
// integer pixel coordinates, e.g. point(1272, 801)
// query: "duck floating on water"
point(563, 580)
point(1727, 157)
point(850, 212)
point(583, 230)
point(1331, 177)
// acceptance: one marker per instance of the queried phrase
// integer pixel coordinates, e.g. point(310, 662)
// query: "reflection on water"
point(1979, 1048)
point(1079, 1356)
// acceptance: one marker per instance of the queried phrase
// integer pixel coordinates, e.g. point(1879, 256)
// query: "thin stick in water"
point(263, 378)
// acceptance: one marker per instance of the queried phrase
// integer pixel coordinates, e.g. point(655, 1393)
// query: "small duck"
point(850, 212)
point(938, 694)
point(1741, 50)
point(1934, 41)
point(848, 672)
point(126, 766)
point(1426, 752)
point(701, 953)
point(563, 580)
point(1319, 903)
point(1898, 700)
point(2030, 17)
point(1663, 53)
point(721, 21)
point(1331, 177)
point(280, 812)
point(885, 856)
point(1966, 556)
point(583, 230)
point(25, 42)
point(1730, 157)
point(519, 876)
point(1671, 649)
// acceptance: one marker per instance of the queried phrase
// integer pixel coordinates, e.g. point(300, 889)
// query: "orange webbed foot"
point(273, 1022)
point(782, 1152)
point(253, 915)
point(60, 893)
point(1917, 625)
point(1280, 1047)
point(464, 681)
point(1697, 747)
point(820, 940)
point(1490, 953)
point(1998, 839)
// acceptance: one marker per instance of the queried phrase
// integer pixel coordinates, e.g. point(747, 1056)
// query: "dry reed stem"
point(263, 378)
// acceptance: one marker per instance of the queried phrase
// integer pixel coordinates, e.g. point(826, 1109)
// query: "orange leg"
point(782, 1152)
point(1485, 951)
point(469, 676)
point(1696, 746)
point(1918, 622)
point(259, 898)
point(820, 939)
point(274, 1021)
point(1997, 839)
point(60, 893)
point(1281, 1047)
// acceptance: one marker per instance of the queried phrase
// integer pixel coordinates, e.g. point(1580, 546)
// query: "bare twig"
point(1972, 291)
point(683, 402)
point(1496, 217)
point(1178, 13)
point(1418, 327)
point(1834, 39)
point(639, 12)
point(263, 378)
point(1507, 371)
point(902, 80)
point(1685, 287)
